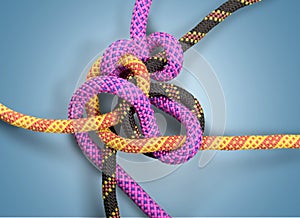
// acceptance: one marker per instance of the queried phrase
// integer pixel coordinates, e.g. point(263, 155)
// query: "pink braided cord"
point(139, 19)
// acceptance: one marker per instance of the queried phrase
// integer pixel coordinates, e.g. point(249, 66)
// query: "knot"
point(168, 149)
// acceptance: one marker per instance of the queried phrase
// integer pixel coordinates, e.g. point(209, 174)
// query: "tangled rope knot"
point(117, 57)
point(142, 104)
point(131, 70)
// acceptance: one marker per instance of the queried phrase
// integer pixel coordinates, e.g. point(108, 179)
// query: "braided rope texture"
point(58, 126)
point(139, 19)
point(109, 183)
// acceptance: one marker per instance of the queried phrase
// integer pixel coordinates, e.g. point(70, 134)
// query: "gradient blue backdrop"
point(44, 45)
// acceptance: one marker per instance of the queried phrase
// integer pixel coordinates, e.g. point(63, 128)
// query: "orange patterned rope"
point(103, 122)
point(229, 143)
point(58, 126)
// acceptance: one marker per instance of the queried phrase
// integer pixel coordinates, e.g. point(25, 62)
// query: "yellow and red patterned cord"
point(101, 123)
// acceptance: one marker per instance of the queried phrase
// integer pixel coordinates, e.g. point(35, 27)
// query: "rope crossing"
point(128, 70)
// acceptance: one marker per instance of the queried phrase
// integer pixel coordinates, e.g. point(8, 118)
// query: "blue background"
point(44, 46)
